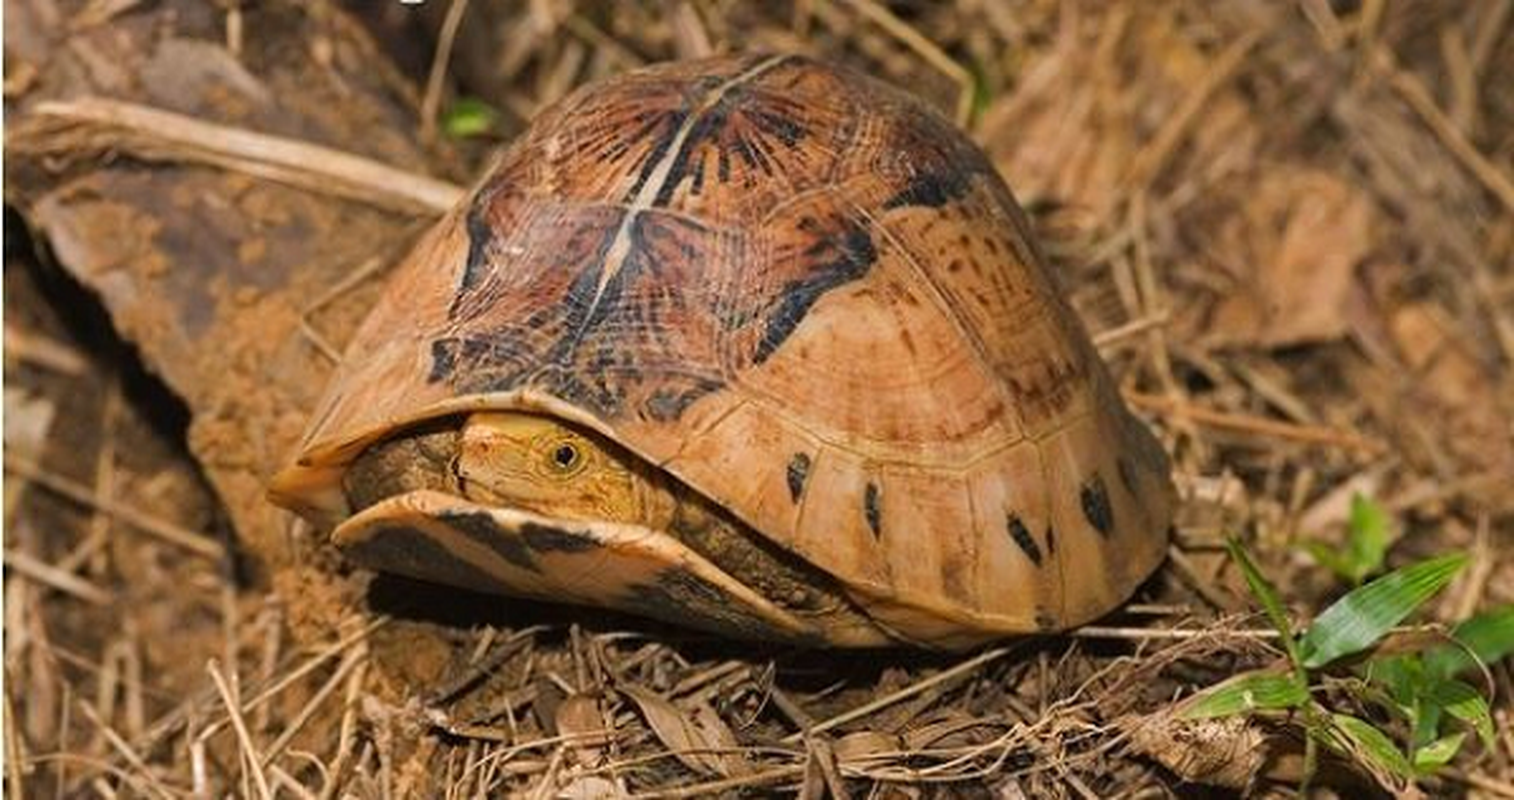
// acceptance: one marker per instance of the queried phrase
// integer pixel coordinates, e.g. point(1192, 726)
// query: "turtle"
point(758, 345)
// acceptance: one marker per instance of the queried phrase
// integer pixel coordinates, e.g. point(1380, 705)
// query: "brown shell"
point(809, 298)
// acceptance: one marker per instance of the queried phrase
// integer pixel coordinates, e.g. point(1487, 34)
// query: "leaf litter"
point(1289, 226)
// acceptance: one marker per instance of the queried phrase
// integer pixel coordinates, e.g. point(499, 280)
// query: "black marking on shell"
point(707, 126)
point(932, 189)
point(411, 552)
point(479, 235)
point(1096, 507)
point(1051, 541)
point(1045, 620)
point(854, 254)
point(1021, 535)
point(547, 539)
point(798, 473)
point(481, 528)
point(443, 358)
point(872, 508)
point(667, 404)
point(665, 139)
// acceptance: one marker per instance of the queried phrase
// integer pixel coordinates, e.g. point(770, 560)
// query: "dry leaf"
point(866, 746)
point(951, 727)
point(582, 720)
point(699, 738)
point(1227, 752)
point(1295, 286)
point(593, 787)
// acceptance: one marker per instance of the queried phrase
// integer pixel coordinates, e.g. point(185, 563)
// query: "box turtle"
point(757, 345)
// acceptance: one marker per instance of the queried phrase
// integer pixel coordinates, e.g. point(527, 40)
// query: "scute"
point(810, 299)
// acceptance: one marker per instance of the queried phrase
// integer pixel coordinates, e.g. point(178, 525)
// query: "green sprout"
point(469, 117)
point(1351, 641)
point(1365, 550)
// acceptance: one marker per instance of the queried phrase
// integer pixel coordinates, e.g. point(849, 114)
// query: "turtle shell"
point(810, 299)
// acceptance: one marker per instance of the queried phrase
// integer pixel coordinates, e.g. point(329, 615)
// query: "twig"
point(1108, 339)
point(1249, 423)
point(153, 134)
point(986, 657)
point(253, 762)
point(142, 521)
point(436, 78)
point(126, 752)
point(712, 788)
point(35, 348)
point(1143, 634)
point(1148, 163)
point(1414, 93)
point(926, 49)
point(54, 578)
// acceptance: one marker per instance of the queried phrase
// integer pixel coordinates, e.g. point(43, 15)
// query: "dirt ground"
point(1289, 226)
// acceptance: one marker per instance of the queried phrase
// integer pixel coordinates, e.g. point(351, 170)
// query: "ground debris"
point(1288, 225)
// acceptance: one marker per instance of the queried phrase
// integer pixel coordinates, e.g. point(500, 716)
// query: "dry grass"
point(1290, 226)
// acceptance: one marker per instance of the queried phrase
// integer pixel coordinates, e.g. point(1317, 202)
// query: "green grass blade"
point(1267, 595)
point(1487, 637)
point(1357, 620)
point(1245, 693)
point(1466, 704)
point(1371, 744)
point(1366, 537)
point(1438, 753)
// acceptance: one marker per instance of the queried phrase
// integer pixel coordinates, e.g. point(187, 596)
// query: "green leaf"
point(1245, 693)
point(1438, 753)
point(1367, 537)
point(1326, 555)
point(1487, 637)
point(1371, 744)
point(1357, 620)
point(469, 117)
point(1465, 703)
point(1267, 595)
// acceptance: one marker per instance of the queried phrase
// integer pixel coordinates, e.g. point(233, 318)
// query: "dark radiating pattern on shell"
point(594, 273)
point(841, 260)
point(872, 508)
point(932, 189)
point(798, 473)
point(1021, 536)
point(481, 528)
point(1051, 541)
point(1096, 507)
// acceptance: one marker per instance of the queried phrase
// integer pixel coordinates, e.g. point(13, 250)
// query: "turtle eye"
point(565, 457)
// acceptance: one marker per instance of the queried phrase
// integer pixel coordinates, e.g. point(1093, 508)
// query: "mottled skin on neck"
point(541, 465)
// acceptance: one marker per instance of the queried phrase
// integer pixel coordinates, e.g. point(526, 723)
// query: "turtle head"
point(542, 465)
